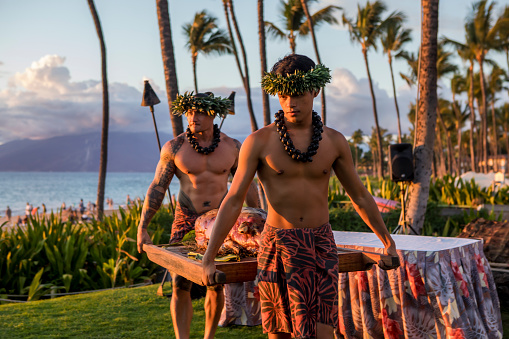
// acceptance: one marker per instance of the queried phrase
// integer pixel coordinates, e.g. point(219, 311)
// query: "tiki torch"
point(150, 99)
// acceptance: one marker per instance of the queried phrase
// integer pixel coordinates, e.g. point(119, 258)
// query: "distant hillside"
point(127, 152)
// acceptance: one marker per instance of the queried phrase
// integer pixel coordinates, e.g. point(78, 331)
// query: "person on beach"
point(293, 157)
point(202, 158)
point(28, 209)
point(8, 214)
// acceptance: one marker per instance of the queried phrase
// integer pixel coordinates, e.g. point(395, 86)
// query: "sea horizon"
point(55, 188)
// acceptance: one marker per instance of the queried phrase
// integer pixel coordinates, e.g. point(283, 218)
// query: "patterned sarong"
point(298, 280)
point(183, 222)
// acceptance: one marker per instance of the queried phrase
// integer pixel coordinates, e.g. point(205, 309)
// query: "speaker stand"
point(403, 225)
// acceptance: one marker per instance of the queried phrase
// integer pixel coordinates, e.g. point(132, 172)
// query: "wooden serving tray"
point(174, 258)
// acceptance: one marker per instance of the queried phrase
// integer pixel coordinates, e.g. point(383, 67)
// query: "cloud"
point(43, 102)
point(349, 105)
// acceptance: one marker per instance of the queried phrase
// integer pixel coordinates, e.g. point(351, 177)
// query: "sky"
point(50, 65)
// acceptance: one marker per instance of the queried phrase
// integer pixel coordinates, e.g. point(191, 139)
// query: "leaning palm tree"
point(393, 38)
point(170, 70)
point(203, 36)
point(244, 74)
point(365, 30)
point(106, 115)
point(426, 118)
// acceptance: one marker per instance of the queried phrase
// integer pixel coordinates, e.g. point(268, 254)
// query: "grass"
point(120, 313)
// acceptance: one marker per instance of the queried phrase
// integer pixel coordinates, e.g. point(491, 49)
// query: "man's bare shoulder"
point(231, 141)
point(334, 135)
point(171, 147)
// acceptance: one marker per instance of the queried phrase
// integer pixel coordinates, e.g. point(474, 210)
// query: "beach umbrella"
point(150, 99)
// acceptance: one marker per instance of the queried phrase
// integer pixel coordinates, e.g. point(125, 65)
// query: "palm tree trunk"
point(380, 159)
point(315, 46)
point(425, 128)
point(484, 125)
point(106, 115)
point(440, 152)
point(457, 114)
point(245, 76)
point(263, 61)
point(448, 140)
point(395, 97)
point(168, 56)
point(472, 118)
point(195, 78)
point(495, 139)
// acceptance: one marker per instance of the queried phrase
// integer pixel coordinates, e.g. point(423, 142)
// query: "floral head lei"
point(209, 104)
point(297, 83)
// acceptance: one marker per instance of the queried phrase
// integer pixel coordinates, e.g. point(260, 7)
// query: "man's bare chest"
point(190, 162)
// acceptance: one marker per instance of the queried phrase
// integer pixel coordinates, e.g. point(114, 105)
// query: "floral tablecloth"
point(443, 289)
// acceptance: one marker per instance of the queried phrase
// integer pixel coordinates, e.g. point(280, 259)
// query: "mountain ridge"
point(127, 152)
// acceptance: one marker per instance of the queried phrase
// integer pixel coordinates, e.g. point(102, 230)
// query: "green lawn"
point(121, 313)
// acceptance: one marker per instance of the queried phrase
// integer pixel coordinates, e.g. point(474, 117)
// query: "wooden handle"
point(219, 277)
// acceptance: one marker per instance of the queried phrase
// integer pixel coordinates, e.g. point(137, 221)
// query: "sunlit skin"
point(204, 179)
point(296, 192)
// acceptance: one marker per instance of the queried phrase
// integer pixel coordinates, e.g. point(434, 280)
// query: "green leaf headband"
point(297, 83)
point(210, 105)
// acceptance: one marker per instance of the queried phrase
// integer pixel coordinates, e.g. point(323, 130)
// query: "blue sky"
point(50, 65)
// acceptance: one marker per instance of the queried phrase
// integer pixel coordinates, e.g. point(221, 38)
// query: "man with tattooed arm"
point(202, 159)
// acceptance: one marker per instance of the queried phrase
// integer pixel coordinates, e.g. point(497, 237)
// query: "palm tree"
point(170, 71)
point(484, 39)
point(294, 23)
point(263, 61)
point(357, 138)
point(503, 33)
point(228, 10)
point(393, 38)
point(106, 115)
point(366, 30)
point(458, 86)
point(495, 85)
point(504, 123)
point(311, 25)
point(203, 36)
point(426, 117)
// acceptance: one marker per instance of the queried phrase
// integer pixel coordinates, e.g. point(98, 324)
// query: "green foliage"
point(297, 83)
point(209, 105)
point(48, 254)
point(451, 190)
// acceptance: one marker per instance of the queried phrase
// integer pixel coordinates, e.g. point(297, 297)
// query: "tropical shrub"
point(52, 256)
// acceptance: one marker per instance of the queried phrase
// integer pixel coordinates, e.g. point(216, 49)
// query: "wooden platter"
point(174, 258)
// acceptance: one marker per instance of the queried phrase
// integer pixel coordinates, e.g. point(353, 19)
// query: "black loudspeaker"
point(401, 162)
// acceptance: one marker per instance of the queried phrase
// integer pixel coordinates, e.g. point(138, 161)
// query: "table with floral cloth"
point(444, 288)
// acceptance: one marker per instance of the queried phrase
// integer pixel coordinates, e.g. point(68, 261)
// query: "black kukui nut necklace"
point(284, 136)
point(204, 150)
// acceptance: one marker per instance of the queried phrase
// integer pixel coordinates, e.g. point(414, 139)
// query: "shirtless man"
point(297, 262)
point(202, 159)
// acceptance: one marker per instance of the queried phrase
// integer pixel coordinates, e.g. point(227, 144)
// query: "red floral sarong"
point(183, 222)
point(298, 280)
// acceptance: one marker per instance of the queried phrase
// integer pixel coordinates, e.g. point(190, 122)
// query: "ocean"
point(54, 188)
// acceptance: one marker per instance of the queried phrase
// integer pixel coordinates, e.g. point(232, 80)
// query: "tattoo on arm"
point(164, 173)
